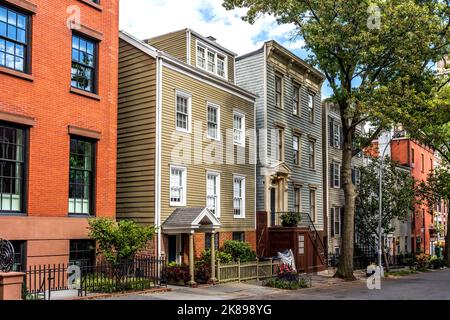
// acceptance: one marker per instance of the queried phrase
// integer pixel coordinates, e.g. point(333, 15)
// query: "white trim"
point(218, 187)
point(242, 178)
point(192, 75)
point(216, 52)
point(146, 48)
point(158, 154)
point(183, 185)
point(189, 106)
point(242, 116)
point(217, 107)
point(206, 213)
point(188, 47)
point(339, 166)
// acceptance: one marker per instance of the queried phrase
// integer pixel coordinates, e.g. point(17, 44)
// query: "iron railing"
point(139, 273)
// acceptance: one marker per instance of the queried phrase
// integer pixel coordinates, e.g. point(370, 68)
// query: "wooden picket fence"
point(244, 271)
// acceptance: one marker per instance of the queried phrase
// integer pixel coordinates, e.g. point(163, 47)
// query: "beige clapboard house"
point(185, 162)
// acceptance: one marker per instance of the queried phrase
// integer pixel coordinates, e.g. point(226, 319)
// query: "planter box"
point(176, 282)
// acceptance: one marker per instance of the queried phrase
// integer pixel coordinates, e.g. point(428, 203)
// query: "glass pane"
point(2, 58)
point(2, 45)
point(21, 35)
point(75, 55)
point(10, 61)
point(3, 29)
point(21, 21)
point(90, 48)
point(19, 64)
point(12, 32)
point(82, 45)
point(75, 43)
point(12, 18)
point(3, 14)
point(10, 48)
point(19, 50)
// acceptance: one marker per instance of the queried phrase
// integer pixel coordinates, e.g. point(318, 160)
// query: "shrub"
point(202, 272)
point(422, 260)
point(436, 263)
point(290, 219)
point(178, 272)
point(286, 279)
point(221, 256)
point(239, 250)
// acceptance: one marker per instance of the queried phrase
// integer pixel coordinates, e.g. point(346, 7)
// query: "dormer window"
point(211, 61)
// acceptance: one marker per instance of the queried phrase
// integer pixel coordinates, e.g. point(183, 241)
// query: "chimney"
point(211, 38)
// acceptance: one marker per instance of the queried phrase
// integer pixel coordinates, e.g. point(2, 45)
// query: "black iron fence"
point(140, 273)
point(360, 262)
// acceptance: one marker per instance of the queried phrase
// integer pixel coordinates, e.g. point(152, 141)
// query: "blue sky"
point(148, 18)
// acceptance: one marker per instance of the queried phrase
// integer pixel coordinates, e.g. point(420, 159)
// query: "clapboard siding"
point(250, 76)
point(136, 135)
point(174, 43)
point(196, 173)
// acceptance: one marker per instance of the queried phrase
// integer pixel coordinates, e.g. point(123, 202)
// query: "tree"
point(437, 187)
point(399, 190)
point(119, 241)
point(372, 53)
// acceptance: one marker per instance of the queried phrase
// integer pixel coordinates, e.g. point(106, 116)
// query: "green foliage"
point(286, 279)
point(118, 241)
point(399, 190)
point(178, 272)
point(221, 256)
point(239, 250)
point(103, 284)
point(436, 263)
point(400, 273)
point(422, 261)
point(290, 219)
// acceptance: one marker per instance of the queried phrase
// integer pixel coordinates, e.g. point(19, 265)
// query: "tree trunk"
point(345, 267)
point(447, 244)
point(385, 257)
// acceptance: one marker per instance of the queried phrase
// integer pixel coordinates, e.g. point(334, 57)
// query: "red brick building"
point(58, 119)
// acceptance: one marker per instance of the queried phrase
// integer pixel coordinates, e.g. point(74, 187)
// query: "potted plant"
point(178, 274)
point(290, 219)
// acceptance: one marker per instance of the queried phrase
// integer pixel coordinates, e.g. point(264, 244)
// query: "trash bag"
point(287, 257)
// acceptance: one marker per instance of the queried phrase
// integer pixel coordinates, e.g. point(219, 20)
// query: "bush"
point(178, 272)
point(422, 260)
point(436, 263)
point(286, 279)
point(290, 219)
point(202, 272)
point(221, 256)
point(239, 250)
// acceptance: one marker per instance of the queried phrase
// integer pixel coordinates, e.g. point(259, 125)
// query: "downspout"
point(158, 151)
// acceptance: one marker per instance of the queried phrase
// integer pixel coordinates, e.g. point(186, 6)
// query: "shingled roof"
point(191, 218)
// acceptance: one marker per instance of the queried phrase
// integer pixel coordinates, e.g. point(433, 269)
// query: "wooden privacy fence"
point(243, 271)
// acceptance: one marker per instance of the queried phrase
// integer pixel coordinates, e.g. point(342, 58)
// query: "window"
point(12, 169)
point(312, 204)
point(239, 129)
point(312, 154)
point(20, 256)
point(335, 175)
point(278, 92)
point(337, 135)
point(311, 108)
point(82, 253)
point(177, 186)
point(183, 112)
point(301, 244)
point(213, 122)
point(208, 241)
point(296, 148)
point(280, 144)
point(431, 165)
point(13, 39)
point(297, 199)
point(83, 63)
point(412, 156)
point(239, 197)
point(81, 176)
point(213, 193)
point(423, 163)
point(211, 61)
point(356, 176)
point(336, 219)
point(201, 59)
point(296, 106)
point(239, 236)
point(221, 66)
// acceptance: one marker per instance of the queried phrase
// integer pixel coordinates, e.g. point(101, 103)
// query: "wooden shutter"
point(332, 221)
point(331, 132)
point(340, 177)
point(332, 175)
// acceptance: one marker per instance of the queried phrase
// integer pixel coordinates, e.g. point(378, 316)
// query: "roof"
point(190, 219)
point(153, 52)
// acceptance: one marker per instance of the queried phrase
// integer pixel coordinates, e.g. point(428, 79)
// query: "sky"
point(149, 18)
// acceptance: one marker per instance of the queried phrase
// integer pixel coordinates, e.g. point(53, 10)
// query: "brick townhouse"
point(58, 112)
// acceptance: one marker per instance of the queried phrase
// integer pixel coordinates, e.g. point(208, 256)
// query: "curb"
point(113, 295)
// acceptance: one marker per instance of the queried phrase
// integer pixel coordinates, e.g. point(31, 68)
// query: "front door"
point(273, 205)
point(172, 249)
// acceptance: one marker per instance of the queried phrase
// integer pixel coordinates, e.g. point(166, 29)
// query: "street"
point(433, 285)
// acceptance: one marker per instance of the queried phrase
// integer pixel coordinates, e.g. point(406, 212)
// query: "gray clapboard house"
point(289, 123)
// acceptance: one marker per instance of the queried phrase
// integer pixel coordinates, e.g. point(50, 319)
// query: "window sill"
point(239, 217)
point(174, 205)
point(13, 214)
point(80, 216)
point(92, 4)
point(16, 74)
point(85, 93)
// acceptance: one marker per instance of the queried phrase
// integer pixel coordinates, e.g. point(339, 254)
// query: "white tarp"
point(287, 257)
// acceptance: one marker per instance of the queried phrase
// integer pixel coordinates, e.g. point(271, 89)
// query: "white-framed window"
point(213, 193)
point(312, 154)
point(201, 57)
point(312, 204)
point(239, 129)
point(178, 186)
point(337, 135)
point(336, 175)
point(183, 112)
point(311, 107)
point(297, 199)
point(213, 121)
point(239, 196)
point(296, 148)
point(278, 91)
point(221, 66)
point(296, 104)
point(336, 221)
point(356, 176)
point(301, 244)
point(210, 60)
point(279, 155)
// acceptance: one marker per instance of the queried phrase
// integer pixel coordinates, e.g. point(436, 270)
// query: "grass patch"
point(400, 273)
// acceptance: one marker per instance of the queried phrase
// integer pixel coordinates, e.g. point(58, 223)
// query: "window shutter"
point(340, 177)
point(342, 220)
point(353, 175)
point(332, 175)
point(332, 221)
point(331, 133)
point(341, 132)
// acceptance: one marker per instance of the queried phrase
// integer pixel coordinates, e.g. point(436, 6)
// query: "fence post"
point(271, 267)
point(218, 270)
point(257, 269)
point(239, 269)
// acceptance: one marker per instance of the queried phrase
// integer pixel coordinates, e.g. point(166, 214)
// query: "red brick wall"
point(48, 99)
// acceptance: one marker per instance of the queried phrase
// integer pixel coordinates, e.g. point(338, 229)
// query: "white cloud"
point(148, 18)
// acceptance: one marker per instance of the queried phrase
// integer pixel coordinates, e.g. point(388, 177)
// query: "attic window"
point(211, 61)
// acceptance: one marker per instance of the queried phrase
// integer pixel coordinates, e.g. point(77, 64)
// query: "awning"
point(187, 220)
